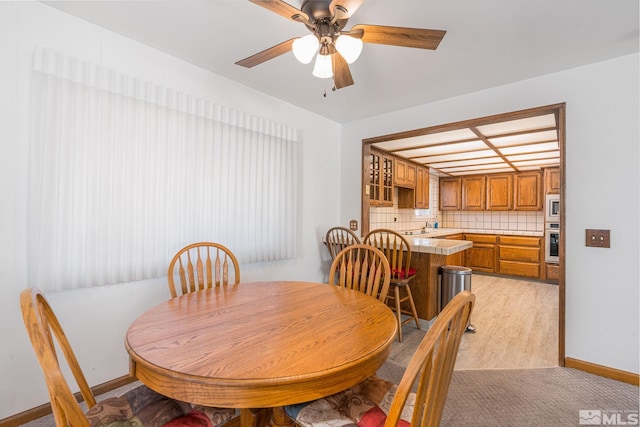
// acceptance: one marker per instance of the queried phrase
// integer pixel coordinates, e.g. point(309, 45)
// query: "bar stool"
point(398, 253)
point(338, 238)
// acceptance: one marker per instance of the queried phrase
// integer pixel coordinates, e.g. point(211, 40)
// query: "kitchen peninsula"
point(428, 253)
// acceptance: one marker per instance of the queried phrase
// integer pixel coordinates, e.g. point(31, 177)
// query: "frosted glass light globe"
point(323, 67)
point(349, 47)
point(305, 47)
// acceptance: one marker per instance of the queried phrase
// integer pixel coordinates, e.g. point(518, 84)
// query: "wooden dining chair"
point(338, 238)
point(141, 405)
point(363, 268)
point(202, 265)
point(398, 252)
point(420, 396)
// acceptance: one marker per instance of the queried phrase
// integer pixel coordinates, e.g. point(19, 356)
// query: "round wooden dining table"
point(260, 344)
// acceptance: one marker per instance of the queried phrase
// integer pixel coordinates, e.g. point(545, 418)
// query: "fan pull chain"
point(333, 89)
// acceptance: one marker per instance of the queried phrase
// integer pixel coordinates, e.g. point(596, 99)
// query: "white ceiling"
point(488, 43)
point(495, 146)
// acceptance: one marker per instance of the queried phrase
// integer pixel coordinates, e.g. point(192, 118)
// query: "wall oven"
point(552, 243)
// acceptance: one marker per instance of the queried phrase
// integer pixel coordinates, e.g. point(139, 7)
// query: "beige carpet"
point(531, 397)
point(544, 397)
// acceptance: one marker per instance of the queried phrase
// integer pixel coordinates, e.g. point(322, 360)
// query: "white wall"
point(602, 191)
point(96, 319)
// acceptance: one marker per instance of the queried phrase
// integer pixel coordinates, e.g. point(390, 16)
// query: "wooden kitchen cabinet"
point(406, 198)
point(482, 256)
point(458, 257)
point(496, 192)
point(552, 272)
point(552, 181)
point(528, 191)
point(450, 194)
point(380, 179)
point(473, 193)
point(519, 256)
point(500, 192)
point(404, 174)
point(422, 188)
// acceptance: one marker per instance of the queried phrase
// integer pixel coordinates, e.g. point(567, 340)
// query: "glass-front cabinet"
point(380, 179)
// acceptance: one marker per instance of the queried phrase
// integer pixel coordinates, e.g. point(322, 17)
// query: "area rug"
point(533, 397)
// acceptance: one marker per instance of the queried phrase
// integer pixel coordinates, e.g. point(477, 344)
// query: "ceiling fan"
point(335, 46)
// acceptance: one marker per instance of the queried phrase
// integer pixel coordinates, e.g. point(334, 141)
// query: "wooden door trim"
point(560, 112)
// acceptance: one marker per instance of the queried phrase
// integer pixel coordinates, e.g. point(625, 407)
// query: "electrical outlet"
point(353, 225)
point(598, 238)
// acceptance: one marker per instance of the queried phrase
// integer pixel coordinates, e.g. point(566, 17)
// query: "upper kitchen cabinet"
point(422, 188)
point(416, 197)
point(404, 174)
point(494, 192)
point(450, 194)
point(380, 179)
point(528, 191)
point(473, 193)
point(500, 192)
point(552, 181)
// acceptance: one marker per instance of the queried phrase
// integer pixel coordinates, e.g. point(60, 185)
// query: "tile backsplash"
point(495, 220)
point(415, 219)
point(407, 219)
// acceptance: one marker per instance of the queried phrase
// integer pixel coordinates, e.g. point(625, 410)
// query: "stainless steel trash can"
point(453, 280)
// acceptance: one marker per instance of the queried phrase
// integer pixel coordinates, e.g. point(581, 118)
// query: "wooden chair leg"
point(413, 307)
point(396, 293)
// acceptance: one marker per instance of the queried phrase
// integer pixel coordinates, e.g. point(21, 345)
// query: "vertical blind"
point(123, 173)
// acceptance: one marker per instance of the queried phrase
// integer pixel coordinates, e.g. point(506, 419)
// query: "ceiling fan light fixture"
point(323, 67)
point(349, 47)
point(305, 47)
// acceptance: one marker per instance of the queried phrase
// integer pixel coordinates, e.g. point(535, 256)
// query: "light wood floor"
point(516, 326)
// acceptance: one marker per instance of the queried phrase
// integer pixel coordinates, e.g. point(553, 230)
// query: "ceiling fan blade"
point(282, 9)
point(266, 54)
point(341, 74)
point(400, 36)
point(346, 9)
point(342, 10)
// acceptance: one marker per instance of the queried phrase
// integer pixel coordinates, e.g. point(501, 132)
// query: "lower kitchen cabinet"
point(457, 258)
point(519, 256)
point(482, 256)
point(508, 255)
point(552, 272)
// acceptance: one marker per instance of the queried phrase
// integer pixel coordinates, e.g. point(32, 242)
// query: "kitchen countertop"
point(430, 245)
point(431, 242)
point(439, 232)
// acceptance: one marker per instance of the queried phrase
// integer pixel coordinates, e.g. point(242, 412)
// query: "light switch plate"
point(598, 238)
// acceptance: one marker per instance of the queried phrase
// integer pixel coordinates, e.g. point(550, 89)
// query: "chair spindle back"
point(202, 265)
point(363, 268)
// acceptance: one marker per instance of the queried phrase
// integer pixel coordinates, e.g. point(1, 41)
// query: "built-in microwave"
point(552, 208)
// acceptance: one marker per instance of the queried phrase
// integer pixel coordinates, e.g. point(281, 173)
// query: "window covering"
point(124, 172)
